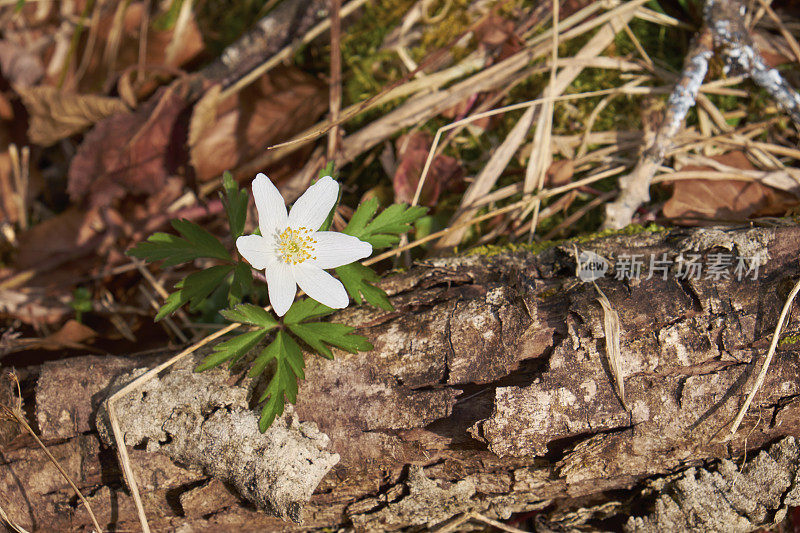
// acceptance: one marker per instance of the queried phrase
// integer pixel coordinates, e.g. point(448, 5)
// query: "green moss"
point(537, 247)
point(789, 339)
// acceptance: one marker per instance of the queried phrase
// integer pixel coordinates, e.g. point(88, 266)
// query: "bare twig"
point(635, 187)
point(726, 20)
point(335, 93)
point(724, 29)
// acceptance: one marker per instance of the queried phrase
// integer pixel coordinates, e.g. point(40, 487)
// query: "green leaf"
point(241, 284)
point(328, 171)
point(358, 279)
point(305, 309)
point(267, 354)
point(364, 213)
point(173, 303)
point(193, 289)
point(385, 229)
point(283, 385)
point(201, 239)
point(174, 250)
point(235, 201)
point(232, 349)
point(250, 314)
point(319, 334)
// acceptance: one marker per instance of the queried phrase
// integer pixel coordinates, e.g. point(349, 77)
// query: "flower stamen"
point(296, 245)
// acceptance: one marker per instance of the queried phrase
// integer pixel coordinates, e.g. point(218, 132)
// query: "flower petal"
point(335, 249)
point(281, 285)
point(272, 217)
point(311, 209)
point(257, 250)
point(321, 286)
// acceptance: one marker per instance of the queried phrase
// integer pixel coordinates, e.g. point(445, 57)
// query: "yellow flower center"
point(296, 245)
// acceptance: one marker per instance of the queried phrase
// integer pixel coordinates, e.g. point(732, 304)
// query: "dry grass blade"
point(782, 28)
point(15, 413)
point(612, 332)
point(539, 162)
point(112, 415)
point(20, 168)
point(762, 374)
point(489, 175)
point(10, 523)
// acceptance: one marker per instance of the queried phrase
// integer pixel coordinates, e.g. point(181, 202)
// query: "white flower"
point(292, 252)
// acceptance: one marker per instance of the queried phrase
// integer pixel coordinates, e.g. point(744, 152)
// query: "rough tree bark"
point(488, 391)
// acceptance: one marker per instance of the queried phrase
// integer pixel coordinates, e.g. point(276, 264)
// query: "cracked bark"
point(488, 390)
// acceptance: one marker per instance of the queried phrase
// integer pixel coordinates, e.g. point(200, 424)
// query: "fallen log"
point(489, 391)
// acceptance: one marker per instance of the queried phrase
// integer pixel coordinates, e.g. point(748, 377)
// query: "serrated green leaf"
point(235, 201)
point(174, 250)
point(165, 247)
point(241, 284)
point(357, 280)
point(250, 314)
point(172, 304)
point(201, 239)
point(283, 385)
point(385, 229)
point(267, 354)
point(305, 309)
point(198, 285)
point(364, 213)
point(271, 409)
point(327, 170)
point(193, 289)
point(232, 349)
point(319, 334)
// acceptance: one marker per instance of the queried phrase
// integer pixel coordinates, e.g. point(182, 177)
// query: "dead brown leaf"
point(271, 110)
point(129, 152)
point(56, 114)
point(412, 151)
point(559, 173)
point(72, 334)
point(724, 199)
point(497, 32)
point(49, 239)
